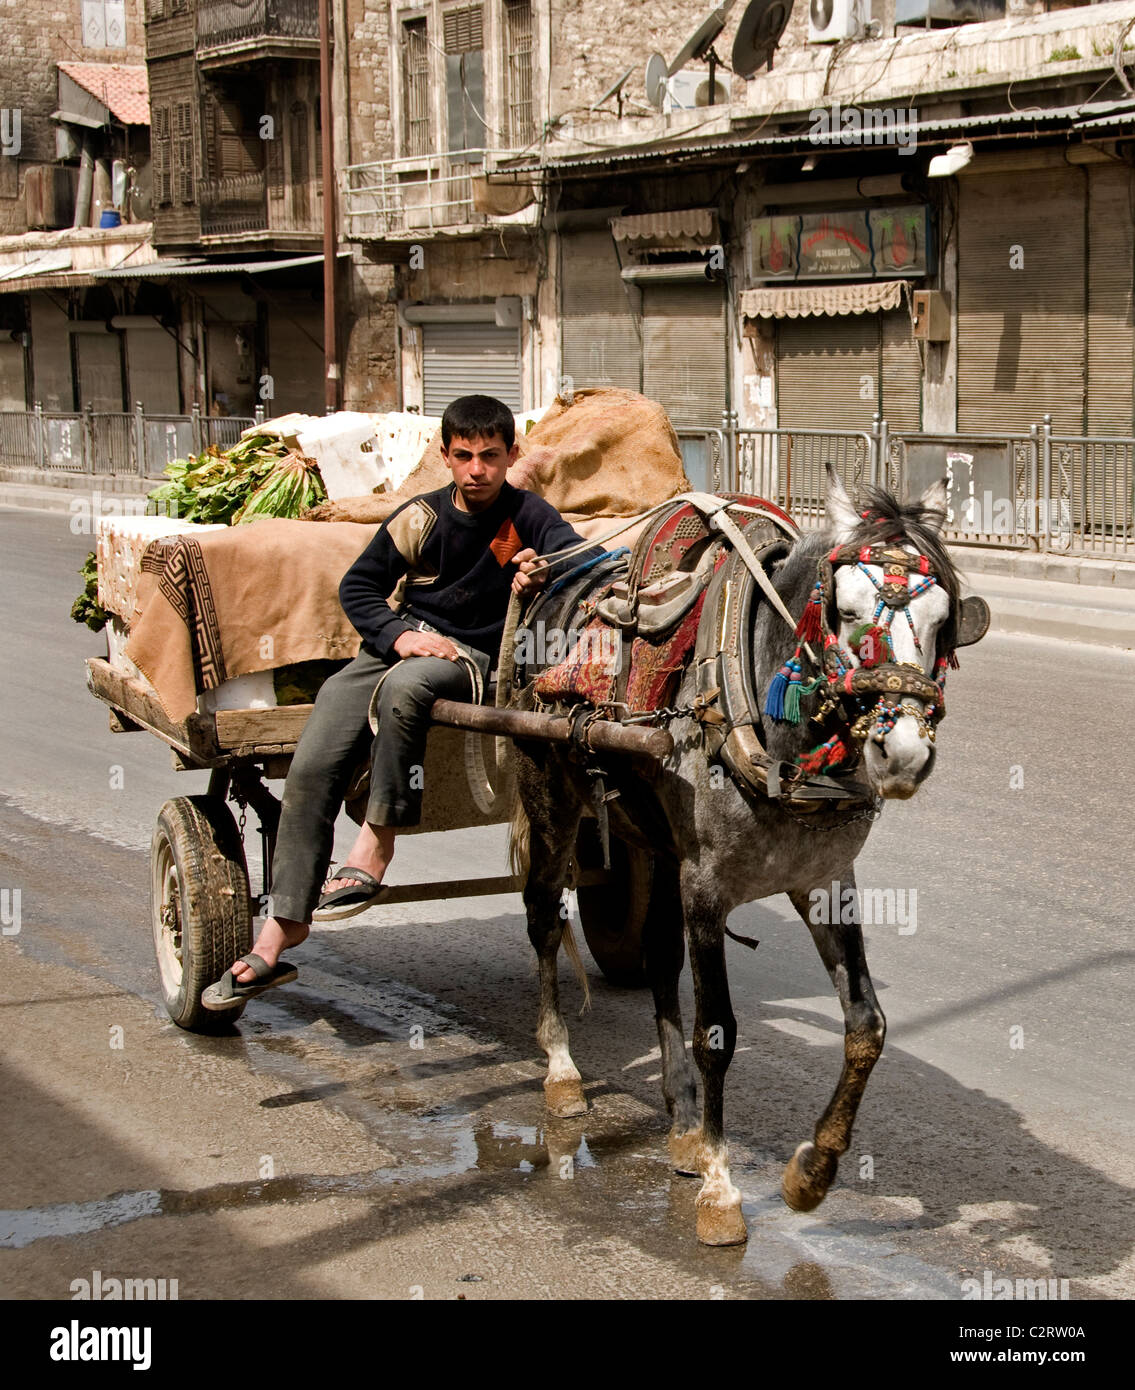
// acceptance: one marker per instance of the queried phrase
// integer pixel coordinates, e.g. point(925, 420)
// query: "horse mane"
point(887, 520)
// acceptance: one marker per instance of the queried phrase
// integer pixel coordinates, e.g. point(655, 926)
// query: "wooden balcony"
point(242, 209)
point(235, 32)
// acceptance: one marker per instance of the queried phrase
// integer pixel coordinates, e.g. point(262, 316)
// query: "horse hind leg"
point(718, 1203)
point(663, 954)
point(811, 1169)
point(553, 816)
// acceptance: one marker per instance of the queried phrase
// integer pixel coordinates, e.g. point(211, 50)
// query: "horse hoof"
point(807, 1177)
point(722, 1225)
point(687, 1153)
point(565, 1098)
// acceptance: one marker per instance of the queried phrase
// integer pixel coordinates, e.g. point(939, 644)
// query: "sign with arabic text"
point(863, 243)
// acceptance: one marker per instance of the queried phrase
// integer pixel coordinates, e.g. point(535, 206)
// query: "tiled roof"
point(121, 87)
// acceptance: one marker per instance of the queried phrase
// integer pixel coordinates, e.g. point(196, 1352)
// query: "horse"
point(877, 598)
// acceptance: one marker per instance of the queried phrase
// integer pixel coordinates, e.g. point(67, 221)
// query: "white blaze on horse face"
point(897, 767)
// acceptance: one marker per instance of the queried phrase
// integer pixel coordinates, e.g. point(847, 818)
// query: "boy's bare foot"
point(276, 935)
point(372, 852)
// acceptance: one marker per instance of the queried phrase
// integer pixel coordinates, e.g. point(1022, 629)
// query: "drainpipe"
point(330, 335)
point(86, 182)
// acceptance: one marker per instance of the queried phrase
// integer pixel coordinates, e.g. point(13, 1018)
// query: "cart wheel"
point(199, 905)
point(612, 914)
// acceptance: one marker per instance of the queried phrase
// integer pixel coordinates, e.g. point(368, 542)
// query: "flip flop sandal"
point(363, 892)
point(228, 992)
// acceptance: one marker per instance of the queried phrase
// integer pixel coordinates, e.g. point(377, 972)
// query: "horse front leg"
point(720, 1221)
point(663, 954)
point(553, 816)
point(810, 1170)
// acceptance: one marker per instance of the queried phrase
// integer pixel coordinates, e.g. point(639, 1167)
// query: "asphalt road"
point(322, 1148)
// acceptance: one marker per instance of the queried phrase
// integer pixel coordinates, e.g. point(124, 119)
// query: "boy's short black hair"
point(473, 417)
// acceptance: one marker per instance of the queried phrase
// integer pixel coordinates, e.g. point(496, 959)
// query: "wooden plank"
point(129, 696)
point(261, 727)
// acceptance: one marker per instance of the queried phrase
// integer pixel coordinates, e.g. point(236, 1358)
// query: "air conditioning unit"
point(831, 21)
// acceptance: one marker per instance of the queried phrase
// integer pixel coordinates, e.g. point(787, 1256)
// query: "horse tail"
point(571, 950)
point(519, 859)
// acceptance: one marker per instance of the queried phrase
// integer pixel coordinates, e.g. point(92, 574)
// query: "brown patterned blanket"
point(247, 598)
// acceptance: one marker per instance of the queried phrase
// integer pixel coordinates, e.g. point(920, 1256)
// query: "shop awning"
point(800, 301)
point(48, 270)
point(685, 230)
point(155, 270)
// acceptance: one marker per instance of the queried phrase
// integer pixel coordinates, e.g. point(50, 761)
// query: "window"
point(518, 66)
point(464, 78)
point(160, 141)
point(104, 23)
point(185, 161)
point(416, 87)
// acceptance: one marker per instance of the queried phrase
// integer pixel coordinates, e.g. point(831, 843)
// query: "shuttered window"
point(518, 65)
point(1111, 331)
point(464, 78)
point(462, 359)
point(185, 160)
point(600, 343)
point(160, 134)
point(235, 147)
point(415, 87)
point(684, 352)
point(1021, 301)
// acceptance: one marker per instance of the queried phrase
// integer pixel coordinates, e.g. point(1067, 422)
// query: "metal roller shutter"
point(151, 370)
point(1111, 339)
point(901, 392)
point(1021, 330)
point(600, 344)
point(684, 352)
point(828, 372)
point(295, 357)
point(100, 371)
point(470, 359)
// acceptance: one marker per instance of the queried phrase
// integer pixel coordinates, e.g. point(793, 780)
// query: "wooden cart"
point(202, 909)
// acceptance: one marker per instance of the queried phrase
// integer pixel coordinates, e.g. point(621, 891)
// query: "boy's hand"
point(529, 575)
point(425, 644)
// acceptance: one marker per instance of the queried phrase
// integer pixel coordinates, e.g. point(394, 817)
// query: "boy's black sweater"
point(463, 576)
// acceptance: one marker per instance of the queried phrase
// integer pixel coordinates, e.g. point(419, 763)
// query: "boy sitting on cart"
point(460, 551)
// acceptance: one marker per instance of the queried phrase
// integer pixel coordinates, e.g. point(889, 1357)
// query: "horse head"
point(889, 624)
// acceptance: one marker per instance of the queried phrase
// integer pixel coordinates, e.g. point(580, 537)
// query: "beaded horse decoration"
point(846, 676)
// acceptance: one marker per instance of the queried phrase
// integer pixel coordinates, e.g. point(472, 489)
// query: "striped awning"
point(685, 230)
point(800, 301)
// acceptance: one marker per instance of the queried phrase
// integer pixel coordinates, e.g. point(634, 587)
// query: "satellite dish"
point(759, 32)
point(719, 94)
point(701, 40)
point(615, 90)
point(656, 80)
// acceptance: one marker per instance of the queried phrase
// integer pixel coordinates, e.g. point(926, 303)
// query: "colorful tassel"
point(797, 689)
point(778, 688)
point(810, 626)
point(827, 755)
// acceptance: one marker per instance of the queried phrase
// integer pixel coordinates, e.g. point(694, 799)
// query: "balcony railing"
point(223, 22)
point(404, 197)
point(234, 205)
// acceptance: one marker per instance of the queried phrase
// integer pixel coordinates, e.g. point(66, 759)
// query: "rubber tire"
point(613, 914)
point(198, 838)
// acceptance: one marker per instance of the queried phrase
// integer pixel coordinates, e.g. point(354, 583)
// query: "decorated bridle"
point(905, 577)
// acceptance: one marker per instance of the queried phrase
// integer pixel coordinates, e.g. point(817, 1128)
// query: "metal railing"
point(1066, 494)
point(221, 22)
point(111, 442)
point(402, 196)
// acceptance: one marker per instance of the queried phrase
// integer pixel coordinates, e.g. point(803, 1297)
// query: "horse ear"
point(934, 499)
point(842, 516)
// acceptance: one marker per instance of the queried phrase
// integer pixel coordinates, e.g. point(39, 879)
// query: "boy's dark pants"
point(335, 740)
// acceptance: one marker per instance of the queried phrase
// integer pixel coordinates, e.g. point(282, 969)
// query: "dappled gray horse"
point(848, 704)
